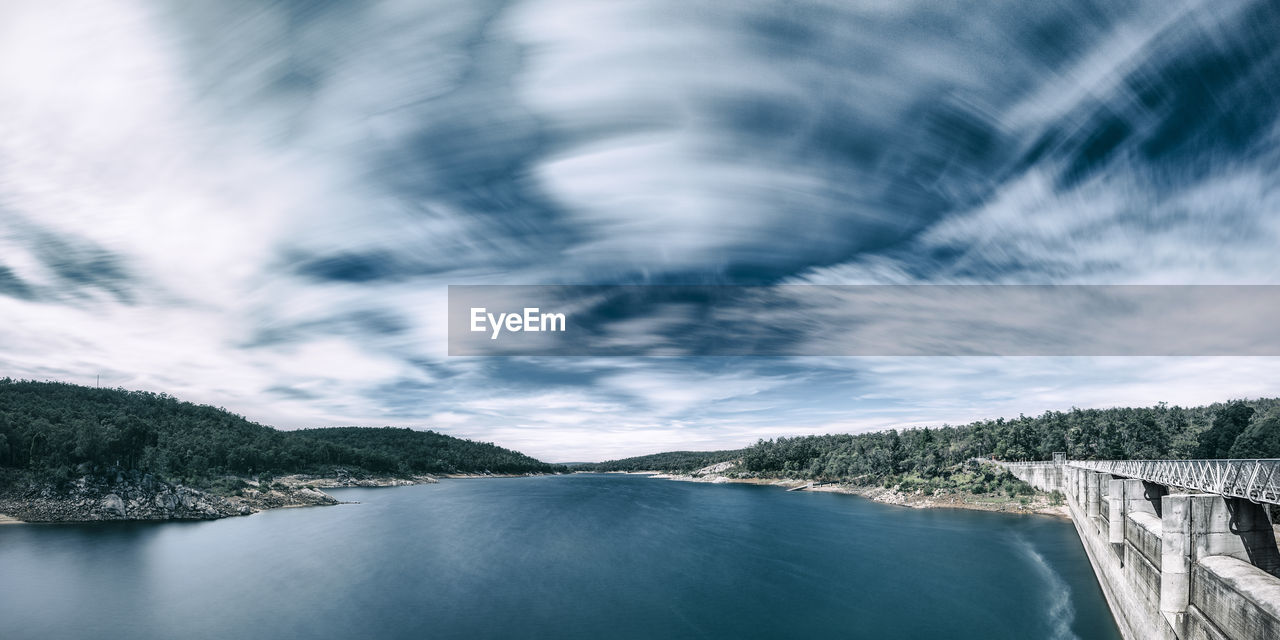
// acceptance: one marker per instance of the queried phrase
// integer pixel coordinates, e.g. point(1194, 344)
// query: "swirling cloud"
point(259, 205)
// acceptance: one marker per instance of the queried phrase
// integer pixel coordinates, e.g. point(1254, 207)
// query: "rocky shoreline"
point(1038, 504)
point(135, 496)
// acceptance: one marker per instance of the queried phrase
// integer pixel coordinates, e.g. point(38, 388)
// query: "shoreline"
point(91, 501)
point(1037, 504)
point(301, 490)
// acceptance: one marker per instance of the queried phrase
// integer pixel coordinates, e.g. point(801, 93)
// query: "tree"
point(51, 428)
point(1260, 440)
point(1229, 422)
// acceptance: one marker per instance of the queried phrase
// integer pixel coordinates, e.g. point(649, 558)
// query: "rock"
point(113, 505)
point(133, 495)
point(166, 501)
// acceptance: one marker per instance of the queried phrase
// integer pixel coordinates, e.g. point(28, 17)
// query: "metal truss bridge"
point(1253, 480)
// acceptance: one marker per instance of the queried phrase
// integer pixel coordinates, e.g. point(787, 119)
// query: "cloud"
point(260, 205)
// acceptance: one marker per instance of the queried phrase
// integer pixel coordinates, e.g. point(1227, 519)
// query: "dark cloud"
point(365, 325)
point(403, 398)
point(1191, 102)
point(74, 266)
point(541, 373)
point(833, 133)
point(80, 266)
point(360, 268)
point(291, 393)
point(12, 285)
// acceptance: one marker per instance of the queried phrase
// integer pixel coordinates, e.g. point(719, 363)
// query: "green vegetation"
point(1227, 425)
point(1261, 439)
point(931, 459)
point(967, 477)
point(673, 461)
point(408, 451)
point(62, 430)
point(1235, 428)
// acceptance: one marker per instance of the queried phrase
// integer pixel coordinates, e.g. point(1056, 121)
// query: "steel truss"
point(1253, 480)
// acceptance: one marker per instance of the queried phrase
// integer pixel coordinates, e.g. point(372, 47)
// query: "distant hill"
point(682, 461)
point(407, 450)
point(63, 430)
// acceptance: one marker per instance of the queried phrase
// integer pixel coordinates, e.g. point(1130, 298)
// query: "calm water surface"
point(584, 556)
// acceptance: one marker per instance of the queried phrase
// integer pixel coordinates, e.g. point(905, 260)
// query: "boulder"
point(112, 505)
point(166, 501)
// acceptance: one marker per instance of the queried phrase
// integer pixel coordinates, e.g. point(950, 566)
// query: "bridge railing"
point(1255, 480)
point(1019, 463)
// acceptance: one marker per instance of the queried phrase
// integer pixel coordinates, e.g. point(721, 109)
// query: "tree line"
point(674, 461)
point(63, 430)
point(1237, 429)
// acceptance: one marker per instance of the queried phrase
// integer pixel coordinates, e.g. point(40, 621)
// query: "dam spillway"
point(1183, 549)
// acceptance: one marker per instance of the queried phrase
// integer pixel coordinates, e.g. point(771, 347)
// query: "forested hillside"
point(681, 461)
point(63, 430)
point(406, 450)
point(1240, 429)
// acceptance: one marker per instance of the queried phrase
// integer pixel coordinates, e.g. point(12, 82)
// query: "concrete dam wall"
point(1045, 476)
point(1173, 565)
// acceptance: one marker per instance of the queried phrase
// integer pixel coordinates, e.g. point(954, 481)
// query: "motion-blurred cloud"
point(259, 205)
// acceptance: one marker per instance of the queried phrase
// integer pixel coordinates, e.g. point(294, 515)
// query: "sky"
point(260, 205)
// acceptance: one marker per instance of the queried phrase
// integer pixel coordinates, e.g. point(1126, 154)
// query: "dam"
point(1183, 549)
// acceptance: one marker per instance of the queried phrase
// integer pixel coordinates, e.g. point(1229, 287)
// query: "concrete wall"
point(1123, 548)
point(1172, 566)
point(1045, 476)
point(1233, 600)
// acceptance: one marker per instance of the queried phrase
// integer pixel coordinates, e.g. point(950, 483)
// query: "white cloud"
point(154, 138)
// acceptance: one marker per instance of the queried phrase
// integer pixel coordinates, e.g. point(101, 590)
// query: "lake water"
point(583, 556)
